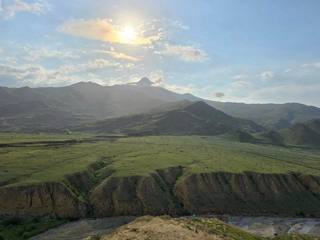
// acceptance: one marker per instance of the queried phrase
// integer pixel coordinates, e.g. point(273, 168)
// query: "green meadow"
point(36, 163)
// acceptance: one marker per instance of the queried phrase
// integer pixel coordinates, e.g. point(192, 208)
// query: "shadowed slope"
point(186, 118)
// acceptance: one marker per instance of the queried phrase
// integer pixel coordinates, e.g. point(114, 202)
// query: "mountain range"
point(54, 108)
point(183, 118)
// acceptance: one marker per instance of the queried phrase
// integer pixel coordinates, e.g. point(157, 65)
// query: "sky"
point(226, 50)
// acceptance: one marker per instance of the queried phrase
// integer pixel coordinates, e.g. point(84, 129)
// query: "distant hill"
point(186, 118)
point(306, 134)
point(273, 116)
point(55, 108)
point(300, 134)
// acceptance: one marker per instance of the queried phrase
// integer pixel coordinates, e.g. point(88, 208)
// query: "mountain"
point(40, 109)
point(273, 116)
point(55, 108)
point(305, 134)
point(184, 118)
point(300, 134)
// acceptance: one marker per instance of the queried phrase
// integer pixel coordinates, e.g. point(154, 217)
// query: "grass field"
point(18, 138)
point(141, 155)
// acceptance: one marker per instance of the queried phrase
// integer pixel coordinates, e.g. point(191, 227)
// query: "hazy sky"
point(228, 50)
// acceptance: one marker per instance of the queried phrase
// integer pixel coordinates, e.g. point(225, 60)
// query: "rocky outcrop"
point(53, 199)
point(169, 191)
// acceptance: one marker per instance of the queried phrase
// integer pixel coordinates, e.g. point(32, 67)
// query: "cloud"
point(90, 66)
point(119, 55)
point(8, 11)
point(179, 25)
point(34, 54)
point(34, 75)
point(297, 92)
point(37, 75)
point(179, 88)
point(219, 94)
point(311, 65)
point(105, 30)
point(240, 77)
point(266, 75)
point(185, 53)
point(239, 84)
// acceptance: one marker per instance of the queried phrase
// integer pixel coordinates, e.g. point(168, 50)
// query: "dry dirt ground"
point(159, 229)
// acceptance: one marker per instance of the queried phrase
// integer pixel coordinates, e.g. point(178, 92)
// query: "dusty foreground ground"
point(160, 229)
point(181, 228)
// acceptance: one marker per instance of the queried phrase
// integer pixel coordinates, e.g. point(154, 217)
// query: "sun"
point(128, 34)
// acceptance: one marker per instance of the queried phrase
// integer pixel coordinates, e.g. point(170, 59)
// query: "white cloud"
point(311, 65)
point(8, 11)
point(185, 53)
point(119, 55)
point(179, 25)
point(266, 75)
point(240, 77)
point(90, 66)
point(189, 88)
point(37, 75)
point(34, 54)
point(105, 30)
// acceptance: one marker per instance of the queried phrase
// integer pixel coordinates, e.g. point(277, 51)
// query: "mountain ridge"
point(25, 109)
point(186, 118)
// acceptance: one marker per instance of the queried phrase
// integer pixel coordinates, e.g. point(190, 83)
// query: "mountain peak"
point(85, 84)
point(145, 82)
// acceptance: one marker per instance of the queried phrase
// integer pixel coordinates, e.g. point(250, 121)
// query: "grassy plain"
point(32, 164)
point(23, 138)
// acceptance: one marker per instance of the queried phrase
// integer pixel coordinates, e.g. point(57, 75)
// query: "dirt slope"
point(160, 229)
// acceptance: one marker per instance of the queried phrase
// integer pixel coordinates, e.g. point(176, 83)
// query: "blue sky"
point(226, 50)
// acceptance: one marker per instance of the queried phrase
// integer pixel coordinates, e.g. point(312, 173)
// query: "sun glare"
point(128, 34)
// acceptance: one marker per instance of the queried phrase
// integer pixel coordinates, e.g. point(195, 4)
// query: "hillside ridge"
point(88, 101)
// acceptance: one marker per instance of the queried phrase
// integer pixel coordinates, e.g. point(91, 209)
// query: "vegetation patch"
point(16, 229)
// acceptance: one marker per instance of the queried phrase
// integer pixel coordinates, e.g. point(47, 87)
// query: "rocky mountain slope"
point(185, 118)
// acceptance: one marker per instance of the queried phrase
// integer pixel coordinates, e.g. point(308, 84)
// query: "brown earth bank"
point(171, 191)
point(52, 199)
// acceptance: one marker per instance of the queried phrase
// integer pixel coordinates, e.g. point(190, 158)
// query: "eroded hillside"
point(157, 175)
